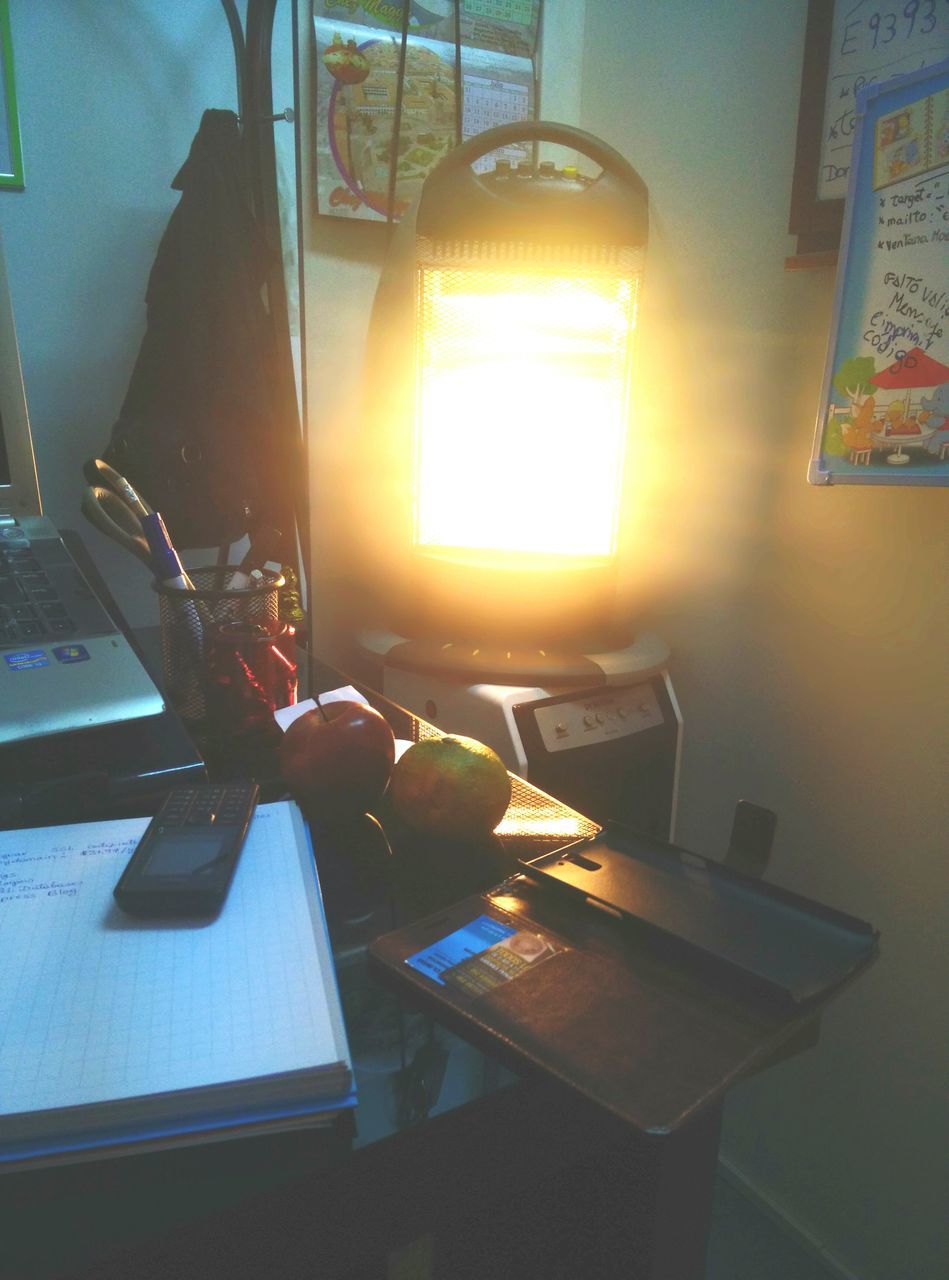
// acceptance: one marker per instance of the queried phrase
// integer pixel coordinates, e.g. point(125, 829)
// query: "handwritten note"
point(870, 43)
point(31, 874)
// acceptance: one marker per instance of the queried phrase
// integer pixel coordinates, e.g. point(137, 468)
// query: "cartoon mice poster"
point(884, 413)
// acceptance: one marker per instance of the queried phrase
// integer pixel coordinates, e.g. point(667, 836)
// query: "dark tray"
point(786, 943)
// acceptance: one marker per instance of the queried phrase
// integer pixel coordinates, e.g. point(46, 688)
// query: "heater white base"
point(610, 749)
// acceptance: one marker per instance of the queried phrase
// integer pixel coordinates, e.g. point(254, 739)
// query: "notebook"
point(64, 665)
point(119, 1035)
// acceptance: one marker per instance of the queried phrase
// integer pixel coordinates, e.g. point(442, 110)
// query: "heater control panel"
point(597, 716)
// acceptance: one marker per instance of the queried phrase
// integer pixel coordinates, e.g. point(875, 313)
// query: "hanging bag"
point(196, 434)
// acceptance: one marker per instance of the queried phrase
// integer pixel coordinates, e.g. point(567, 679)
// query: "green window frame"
point(11, 153)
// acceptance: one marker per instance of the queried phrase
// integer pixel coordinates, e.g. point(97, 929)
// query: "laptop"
point(64, 664)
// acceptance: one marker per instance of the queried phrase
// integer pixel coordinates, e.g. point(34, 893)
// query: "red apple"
point(336, 760)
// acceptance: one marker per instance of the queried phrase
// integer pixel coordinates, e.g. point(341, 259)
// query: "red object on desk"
point(336, 760)
point(249, 676)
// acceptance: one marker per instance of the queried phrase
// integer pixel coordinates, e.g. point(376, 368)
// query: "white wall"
point(110, 97)
point(806, 623)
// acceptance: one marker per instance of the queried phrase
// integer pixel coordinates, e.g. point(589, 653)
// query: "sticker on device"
point(71, 653)
point(483, 955)
point(26, 659)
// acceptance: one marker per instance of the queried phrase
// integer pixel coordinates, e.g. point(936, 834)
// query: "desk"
point(519, 1177)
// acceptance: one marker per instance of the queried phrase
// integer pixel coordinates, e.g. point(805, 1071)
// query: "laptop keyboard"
point(31, 608)
point(43, 598)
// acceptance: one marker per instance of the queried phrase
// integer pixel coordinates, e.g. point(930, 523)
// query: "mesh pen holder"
point(186, 617)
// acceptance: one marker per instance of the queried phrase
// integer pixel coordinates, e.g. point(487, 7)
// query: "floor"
point(747, 1244)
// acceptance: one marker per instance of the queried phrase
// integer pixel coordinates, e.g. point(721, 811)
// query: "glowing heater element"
point(522, 405)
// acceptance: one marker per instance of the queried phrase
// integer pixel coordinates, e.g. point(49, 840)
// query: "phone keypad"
point(205, 806)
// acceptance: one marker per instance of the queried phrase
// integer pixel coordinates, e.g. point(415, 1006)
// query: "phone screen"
point(185, 854)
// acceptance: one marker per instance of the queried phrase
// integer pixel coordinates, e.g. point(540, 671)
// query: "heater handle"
point(540, 131)
point(456, 202)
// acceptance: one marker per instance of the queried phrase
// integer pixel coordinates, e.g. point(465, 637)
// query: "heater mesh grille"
point(625, 260)
point(523, 366)
point(532, 817)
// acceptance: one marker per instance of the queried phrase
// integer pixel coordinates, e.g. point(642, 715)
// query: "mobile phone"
point(184, 862)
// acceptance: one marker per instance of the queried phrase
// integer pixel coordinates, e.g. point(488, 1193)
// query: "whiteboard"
point(871, 42)
point(884, 411)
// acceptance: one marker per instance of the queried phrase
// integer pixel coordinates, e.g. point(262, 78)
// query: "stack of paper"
point(116, 1031)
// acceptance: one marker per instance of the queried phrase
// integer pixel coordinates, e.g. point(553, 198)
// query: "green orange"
point(452, 786)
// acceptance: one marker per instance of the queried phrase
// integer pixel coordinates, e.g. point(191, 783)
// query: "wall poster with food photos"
point(361, 97)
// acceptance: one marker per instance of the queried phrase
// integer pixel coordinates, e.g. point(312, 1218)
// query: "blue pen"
point(166, 563)
point(167, 568)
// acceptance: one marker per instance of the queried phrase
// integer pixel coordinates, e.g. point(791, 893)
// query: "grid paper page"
point(95, 1005)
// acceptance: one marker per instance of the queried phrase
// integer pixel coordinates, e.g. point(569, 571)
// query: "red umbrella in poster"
point(915, 369)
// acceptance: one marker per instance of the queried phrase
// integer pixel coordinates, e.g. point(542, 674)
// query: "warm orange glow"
point(522, 409)
point(564, 827)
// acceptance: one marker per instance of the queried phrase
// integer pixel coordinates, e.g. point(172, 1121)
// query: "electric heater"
point(502, 356)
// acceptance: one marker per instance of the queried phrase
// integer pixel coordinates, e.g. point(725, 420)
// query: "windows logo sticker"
point(71, 653)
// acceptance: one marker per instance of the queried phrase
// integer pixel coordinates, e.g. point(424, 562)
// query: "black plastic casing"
point(457, 203)
point(198, 894)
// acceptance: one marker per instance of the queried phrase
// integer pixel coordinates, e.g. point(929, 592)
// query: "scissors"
point(117, 510)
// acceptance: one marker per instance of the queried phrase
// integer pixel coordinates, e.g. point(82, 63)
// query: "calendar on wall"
point(396, 91)
point(488, 103)
point(506, 26)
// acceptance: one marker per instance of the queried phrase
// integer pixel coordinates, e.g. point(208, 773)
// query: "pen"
point(166, 563)
point(167, 568)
